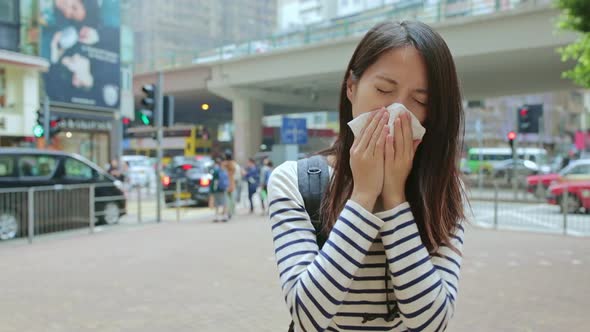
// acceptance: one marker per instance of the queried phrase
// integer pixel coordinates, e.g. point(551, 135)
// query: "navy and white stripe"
point(334, 288)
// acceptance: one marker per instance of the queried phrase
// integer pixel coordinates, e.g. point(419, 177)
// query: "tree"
point(575, 15)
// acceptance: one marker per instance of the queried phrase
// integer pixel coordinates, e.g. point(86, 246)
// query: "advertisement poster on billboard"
point(80, 38)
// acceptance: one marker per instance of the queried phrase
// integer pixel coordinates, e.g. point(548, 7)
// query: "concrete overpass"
point(504, 53)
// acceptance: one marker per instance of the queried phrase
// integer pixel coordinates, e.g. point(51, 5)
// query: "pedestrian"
point(253, 179)
point(115, 171)
point(232, 168)
point(265, 172)
point(239, 180)
point(218, 191)
point(380, 249)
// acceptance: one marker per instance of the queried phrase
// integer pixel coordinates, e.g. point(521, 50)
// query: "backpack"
point(223, 183)
point(313, 176)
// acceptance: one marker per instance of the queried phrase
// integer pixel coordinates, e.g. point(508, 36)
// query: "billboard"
point(80, 38)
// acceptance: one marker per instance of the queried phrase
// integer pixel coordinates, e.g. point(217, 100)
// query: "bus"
point(492, 156)
point(186, 141)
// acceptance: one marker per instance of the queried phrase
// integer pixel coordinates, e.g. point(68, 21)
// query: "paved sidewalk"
point(200, 276)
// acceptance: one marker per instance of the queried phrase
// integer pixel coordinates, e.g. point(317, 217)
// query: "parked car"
point(578, 196)
point(26, 168)
point(505, 169)
point(193, 177)
point(140, 171)
point(578, 170)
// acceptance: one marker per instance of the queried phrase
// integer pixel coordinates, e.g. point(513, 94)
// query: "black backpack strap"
point(313, 175)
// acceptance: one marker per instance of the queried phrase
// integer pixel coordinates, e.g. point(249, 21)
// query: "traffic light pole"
point(515, 169)
point(46, 121)
point(160, 136)
point(541, 135)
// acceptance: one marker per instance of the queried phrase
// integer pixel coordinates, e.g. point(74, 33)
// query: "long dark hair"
point(433, 187)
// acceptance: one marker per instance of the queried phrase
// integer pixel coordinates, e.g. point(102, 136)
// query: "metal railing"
point(29, 212)
point(561, 211)
point(339, 28)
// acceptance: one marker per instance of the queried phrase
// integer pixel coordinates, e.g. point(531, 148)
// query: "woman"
point(393, 210)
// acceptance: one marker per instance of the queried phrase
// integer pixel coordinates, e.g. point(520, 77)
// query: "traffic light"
point(146, 114)
point(511, 137)
point(54, 126)
point(38, 130)
point(145, 117)
point(126, 124)
point(528, 118)
point(524, 121)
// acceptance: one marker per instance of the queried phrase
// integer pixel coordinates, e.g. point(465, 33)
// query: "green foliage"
point(575, 15)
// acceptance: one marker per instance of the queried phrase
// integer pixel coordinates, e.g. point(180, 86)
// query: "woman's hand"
point(367, 160)
point(400, 149)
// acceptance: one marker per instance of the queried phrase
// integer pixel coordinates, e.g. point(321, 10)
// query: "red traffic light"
point(524, 112)
point(511, 136)
point(126, 121)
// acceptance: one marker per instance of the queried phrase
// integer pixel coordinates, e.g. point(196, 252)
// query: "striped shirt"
point(333, 289)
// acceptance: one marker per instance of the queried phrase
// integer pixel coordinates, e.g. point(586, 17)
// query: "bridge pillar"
point(247, 118)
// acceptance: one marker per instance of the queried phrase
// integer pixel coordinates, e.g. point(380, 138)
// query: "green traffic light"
point(38, 131)
point(145, 119)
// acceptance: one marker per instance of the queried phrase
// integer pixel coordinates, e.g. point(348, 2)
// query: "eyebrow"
point(394, 82)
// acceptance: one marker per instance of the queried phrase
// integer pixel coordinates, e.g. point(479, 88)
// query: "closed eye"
point(383, 91)
point(419, 102)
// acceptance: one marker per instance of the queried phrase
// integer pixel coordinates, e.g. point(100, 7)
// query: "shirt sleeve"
point(425, 285)
point(315, 282)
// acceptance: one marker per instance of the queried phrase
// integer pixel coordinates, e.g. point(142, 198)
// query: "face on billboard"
point(80, 38)
point(71, 9)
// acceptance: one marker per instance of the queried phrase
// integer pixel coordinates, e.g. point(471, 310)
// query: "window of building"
point(9, 27)
point(9, 11)
point(2, 87)
point(126, 79)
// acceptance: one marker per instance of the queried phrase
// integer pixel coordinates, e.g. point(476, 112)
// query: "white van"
point(139, 171)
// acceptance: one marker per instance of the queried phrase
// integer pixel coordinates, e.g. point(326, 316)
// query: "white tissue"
point(395, 110)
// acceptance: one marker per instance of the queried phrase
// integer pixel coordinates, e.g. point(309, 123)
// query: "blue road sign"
point(294, 131)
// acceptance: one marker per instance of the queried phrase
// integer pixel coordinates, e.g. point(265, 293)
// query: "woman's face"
point(71, 9)
point(398, 76)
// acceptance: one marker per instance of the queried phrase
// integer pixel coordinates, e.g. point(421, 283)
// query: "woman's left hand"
point(399, 157)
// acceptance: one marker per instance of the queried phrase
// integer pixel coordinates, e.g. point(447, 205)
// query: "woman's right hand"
point(367, 160)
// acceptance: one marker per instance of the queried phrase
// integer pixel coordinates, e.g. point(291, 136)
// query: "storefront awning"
point(23, 60)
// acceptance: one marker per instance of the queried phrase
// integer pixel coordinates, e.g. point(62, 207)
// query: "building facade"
point(20, 78)
point(168, 32)
point(83, 78)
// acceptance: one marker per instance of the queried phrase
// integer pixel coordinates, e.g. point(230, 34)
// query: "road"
point(530, 216)
point(199, 276)
point(526, 213)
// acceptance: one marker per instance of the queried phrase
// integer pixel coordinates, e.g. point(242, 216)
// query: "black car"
point(25, 168)
point(193, 177)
